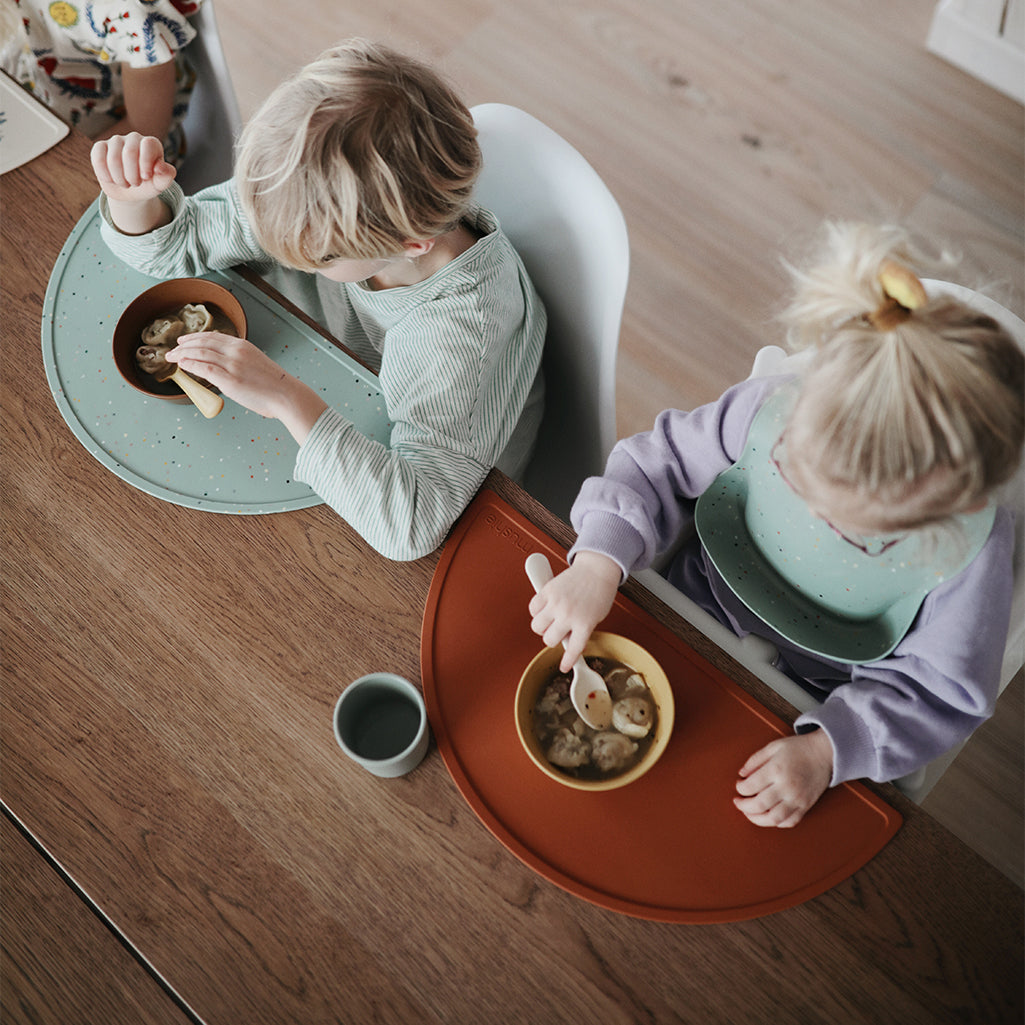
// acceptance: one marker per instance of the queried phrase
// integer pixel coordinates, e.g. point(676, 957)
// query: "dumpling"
point(568, 750)
point(633, 716)
point(555, 699)
point(195, 317)
point(611, 751)
point(151, 358)
point(163, 332)
point(623, 681)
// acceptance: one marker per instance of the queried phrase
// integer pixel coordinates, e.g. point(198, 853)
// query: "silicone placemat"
point(669, 847)
point(238, 462)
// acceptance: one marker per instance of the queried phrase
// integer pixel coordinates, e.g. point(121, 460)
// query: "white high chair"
point(758, 654)
point(213, 121)
point(572, 238)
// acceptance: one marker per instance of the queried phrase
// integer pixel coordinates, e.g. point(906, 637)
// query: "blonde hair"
point(361, 152)
point(925, 415)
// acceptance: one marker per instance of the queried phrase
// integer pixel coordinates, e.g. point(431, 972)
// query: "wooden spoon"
point(151, 361)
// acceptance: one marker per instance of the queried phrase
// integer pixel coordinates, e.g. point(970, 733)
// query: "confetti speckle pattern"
point(237, 462)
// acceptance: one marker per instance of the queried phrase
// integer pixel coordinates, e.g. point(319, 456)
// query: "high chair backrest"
point(572, 238)
point(213, 121)
point(1012, 494)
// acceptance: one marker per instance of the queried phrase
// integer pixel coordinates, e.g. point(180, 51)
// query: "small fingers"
point(129, 160)
point(756, 783)
point(150, 157)
point(541, 622)
point(108, 161)
point(204, 361)
point(554, 635)
point(98, 158)
point(778, 815)
point(209, 345)
point(131, 172)
point(757, 801)
point(574, 649)
point(579, 636)
point(115, 161)
point(757, 760)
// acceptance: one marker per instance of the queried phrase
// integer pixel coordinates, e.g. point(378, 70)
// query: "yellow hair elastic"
point(903, 293)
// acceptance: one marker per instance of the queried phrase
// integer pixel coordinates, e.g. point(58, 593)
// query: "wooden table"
point(185, 842)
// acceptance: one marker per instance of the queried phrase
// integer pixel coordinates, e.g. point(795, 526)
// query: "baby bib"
point(846, 599)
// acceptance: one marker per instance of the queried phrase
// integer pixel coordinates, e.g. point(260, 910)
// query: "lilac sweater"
point(884, 719)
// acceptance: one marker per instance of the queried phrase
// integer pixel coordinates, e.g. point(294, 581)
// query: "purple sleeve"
point(940, 682)
point(638, 507)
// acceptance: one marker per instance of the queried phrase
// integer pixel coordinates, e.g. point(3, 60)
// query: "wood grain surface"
point(728, 131)
point(60, 964)
point(166, 737)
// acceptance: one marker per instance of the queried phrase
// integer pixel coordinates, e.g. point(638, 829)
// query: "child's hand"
point(569, 607)
point(131, 168)
point(785, 778)
point(250, 377)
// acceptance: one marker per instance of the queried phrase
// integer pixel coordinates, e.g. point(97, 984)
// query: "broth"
point(577, 750)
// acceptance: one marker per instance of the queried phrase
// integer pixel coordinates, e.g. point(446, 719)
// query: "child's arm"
point(570, 606)
point(938, 685)
point(251, 378)
point(132, 172)
point(780, 782)
point(149, 94)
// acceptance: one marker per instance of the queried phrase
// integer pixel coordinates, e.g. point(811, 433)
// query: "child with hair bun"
point(872, 472)
point(353, 193)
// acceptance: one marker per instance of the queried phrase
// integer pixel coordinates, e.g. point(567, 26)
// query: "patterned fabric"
point(70, 55)
point(457, 356)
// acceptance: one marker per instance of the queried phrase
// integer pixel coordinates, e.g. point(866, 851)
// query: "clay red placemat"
point(670, 847)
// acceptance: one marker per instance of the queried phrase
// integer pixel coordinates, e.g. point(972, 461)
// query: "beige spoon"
point(151, 361)
point(587, 690)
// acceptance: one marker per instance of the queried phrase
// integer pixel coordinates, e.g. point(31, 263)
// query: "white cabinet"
point(986, 38)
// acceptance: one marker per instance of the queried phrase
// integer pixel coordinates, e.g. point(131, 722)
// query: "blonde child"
point(353, 193)
point(893, 441)
point(106, 66)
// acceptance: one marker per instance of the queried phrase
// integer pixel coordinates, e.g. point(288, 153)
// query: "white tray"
point(27, 128)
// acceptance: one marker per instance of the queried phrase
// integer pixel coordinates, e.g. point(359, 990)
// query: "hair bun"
point(902, 291)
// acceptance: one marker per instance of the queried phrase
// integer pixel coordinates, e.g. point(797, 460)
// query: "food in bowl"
point(651, 724)
point(164, 301)
point(161, 335)
point(585, 753)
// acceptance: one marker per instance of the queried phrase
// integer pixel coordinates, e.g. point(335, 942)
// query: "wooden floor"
point(727, 132)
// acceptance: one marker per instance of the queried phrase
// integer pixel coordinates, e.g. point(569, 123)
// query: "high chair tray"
point(669, 847)
point(237, 462)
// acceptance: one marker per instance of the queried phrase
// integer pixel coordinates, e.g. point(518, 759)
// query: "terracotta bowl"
point(159, 301)
point(545, 665)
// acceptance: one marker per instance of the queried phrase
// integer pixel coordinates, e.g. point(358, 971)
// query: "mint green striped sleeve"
point(456, 372)
point(401, 502)
point(207, 231)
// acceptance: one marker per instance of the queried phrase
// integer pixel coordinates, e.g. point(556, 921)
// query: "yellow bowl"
point(162, 299)
point(540, 671)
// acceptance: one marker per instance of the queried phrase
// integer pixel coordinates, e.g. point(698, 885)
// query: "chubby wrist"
point(139, 218)
point(819, 744)
point(298, 407)
point(601, 568)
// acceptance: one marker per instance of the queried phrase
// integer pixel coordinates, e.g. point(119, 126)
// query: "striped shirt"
point(457, 357)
